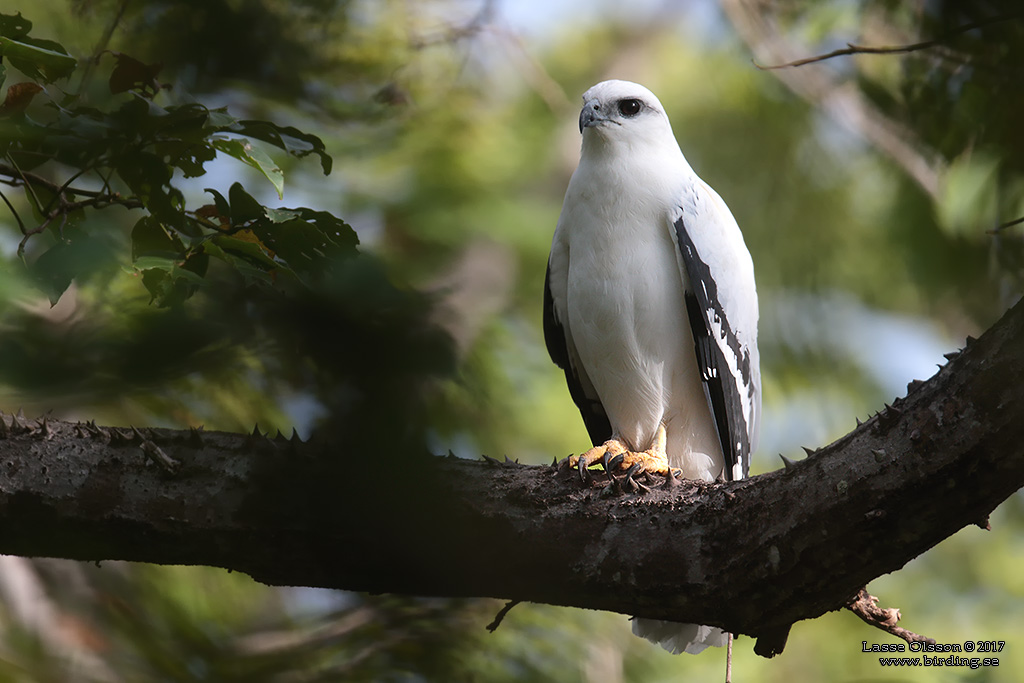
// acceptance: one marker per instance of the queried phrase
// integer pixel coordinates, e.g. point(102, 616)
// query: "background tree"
point(451, 128)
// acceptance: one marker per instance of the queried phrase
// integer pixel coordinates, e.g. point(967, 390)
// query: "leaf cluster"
point(68, 156)
point(239, 283)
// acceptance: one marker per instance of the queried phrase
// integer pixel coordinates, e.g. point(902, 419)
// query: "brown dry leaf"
point(19, 96)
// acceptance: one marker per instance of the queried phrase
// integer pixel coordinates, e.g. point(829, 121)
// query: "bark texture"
point(753, 556)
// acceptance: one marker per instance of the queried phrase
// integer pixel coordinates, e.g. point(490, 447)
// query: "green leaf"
point(223, 208)
point(247, 258)
point(149, 178)
point(243, 207)
point(291, 140)
point(65, 261)
point(131, 74)
point(281, 215)
point(158, 262)
point(220, 119)
point(42, 60)
point(309, 244)
point(249, 154)
point(171, 281)
point(14, 26)
point(244, 248)
point(151, 239)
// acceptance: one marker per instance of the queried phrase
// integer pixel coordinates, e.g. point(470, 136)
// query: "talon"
point(615, 462)
point(581, 467)
point(629, 483)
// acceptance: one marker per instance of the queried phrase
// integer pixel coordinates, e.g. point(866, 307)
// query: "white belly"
point(631, 331)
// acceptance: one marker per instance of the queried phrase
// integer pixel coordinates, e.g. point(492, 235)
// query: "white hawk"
point(650, 309)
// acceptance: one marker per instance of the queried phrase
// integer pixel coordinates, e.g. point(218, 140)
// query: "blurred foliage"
point(147, 146)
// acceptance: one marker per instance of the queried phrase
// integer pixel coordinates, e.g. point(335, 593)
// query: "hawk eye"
point(630, 107)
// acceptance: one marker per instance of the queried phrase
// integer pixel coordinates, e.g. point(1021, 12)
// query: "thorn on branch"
point(493, 626)
point(18, 425)
point(671, 479)
point(865, 606)
point(156, 454)
point(46, 430)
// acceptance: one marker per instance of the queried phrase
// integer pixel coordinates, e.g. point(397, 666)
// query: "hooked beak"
point(589, 115)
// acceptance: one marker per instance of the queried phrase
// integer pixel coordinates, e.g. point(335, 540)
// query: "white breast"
point(627, 318)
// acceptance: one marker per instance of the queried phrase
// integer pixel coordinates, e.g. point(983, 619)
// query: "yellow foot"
point(614, 455)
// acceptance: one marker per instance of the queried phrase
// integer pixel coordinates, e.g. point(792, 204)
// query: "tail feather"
point(676, 638)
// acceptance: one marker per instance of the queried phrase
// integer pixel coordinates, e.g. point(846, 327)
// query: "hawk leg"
point(615, 455)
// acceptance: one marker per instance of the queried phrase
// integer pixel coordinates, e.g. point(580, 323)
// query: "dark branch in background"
point(840, 98)
point(852, 49)
point(101, 45)
point(752, 556)
point(1003, 226)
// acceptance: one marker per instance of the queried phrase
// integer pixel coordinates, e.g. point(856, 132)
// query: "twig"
point(21, 224)
point(493, 626)
point(34, 231)
point(101, 46)
point(1008, 224)
point(865, 606)
point(852, 49)
point(728, 661)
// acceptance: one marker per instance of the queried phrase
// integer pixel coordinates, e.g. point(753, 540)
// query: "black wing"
point(704, 307)
point(580, 387)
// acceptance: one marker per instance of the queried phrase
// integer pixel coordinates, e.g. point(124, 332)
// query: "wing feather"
point(724, 327)
point(580, 387)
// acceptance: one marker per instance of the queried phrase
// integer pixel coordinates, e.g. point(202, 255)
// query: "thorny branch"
point(752, 556)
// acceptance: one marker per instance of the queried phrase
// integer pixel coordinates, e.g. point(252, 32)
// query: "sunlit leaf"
point(249, 154)
point(290, 139)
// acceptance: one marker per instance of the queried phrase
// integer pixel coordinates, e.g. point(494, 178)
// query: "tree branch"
point(752, 556)
point(865, 606)
point(841, 99)
point(852, 49)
